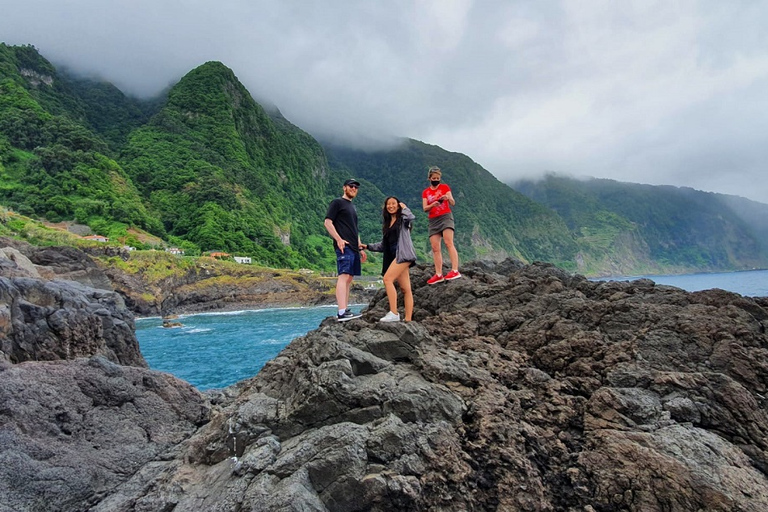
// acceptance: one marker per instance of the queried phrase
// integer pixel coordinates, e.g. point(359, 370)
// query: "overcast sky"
point(666, 93)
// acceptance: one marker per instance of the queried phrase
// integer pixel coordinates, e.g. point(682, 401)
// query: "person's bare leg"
point(404, 280)
point(390, 276)
point(437, 254)
point(454, 255)
point(343, 285)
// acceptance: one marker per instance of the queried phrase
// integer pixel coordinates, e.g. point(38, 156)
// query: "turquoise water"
point(214, 350)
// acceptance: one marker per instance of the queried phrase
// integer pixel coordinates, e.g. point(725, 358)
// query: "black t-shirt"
point(390, 239)
point(344, 217)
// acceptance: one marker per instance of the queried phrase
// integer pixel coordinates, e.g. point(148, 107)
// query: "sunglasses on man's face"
point(353, 186)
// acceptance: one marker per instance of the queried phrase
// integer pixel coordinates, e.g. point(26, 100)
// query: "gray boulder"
point(71, 431)
point(60, 262)
point(80, 413)
point(49, 320)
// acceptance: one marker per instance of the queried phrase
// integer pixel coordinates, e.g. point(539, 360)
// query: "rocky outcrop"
point(72, 431)
point(50, 320)
point(515, 388)
point(518, 388)
point(61, 262)
point(194, 288)
point(47, 320)
point(79, 411)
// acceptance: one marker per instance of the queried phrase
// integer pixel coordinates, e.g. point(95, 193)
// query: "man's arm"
point(340, 242)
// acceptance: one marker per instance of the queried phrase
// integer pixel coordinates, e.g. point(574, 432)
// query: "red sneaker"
point(453, 274)
point(435, 279)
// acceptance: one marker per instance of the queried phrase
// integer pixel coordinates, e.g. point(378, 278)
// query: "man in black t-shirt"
point(341, 223)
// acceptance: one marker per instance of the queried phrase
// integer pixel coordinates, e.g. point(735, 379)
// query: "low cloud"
point(649, 92)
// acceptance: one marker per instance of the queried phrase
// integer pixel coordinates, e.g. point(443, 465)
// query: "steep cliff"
point(517, 387)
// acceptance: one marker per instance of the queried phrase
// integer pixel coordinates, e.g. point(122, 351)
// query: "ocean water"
point(214, 350)
point(752, 283)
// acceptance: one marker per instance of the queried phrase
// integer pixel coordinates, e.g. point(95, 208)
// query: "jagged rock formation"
point(51, 320)
point(60, 262)
point(79, 410)
point(48, 320)
point(71, 432)
point(515, 388)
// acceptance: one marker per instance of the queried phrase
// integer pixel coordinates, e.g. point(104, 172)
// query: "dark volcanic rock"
point(516, 388)
point(79, 411)
point(61, 262)
point(49, 320)
point(71, 431)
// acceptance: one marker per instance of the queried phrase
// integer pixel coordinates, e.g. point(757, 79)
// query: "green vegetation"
point(222, 174)
point(154, 266)
point(110, 113)
point(18, 226)
point(52, 166)
point(631, 228)
point(205, 168)
point(492, 220)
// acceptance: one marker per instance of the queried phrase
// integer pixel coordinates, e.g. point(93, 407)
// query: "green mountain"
point(492, 220)
point(108, 112)
point(625, 228)
point(51, 163)
point(205, 167)
point(223, 174)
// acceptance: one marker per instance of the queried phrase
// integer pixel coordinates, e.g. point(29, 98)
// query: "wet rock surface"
point(517, 387)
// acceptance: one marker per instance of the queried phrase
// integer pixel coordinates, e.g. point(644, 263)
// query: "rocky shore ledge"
point(517, 387)
point(187, 289)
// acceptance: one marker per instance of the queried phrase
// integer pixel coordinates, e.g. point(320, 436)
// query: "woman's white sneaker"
point(390, 317)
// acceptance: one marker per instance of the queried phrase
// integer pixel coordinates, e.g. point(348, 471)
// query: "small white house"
point(243, 259)
point(96, 238)
point(175, 250)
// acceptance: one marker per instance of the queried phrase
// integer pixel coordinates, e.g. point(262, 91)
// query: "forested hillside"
point(51, 164)
point(205, 167)
point(625, 228)
point(492, 220)
point(221, 174)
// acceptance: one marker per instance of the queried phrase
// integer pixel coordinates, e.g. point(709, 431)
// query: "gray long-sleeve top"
point(405, 251)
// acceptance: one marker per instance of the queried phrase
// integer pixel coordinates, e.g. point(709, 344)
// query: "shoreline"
point(217, 307)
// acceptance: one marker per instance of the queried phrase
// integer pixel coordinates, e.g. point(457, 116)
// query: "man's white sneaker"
point(390, 317)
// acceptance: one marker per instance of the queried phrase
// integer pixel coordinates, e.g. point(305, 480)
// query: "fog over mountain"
point(650, 92)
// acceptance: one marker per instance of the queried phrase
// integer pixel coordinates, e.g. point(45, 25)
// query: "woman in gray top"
point(399, 256)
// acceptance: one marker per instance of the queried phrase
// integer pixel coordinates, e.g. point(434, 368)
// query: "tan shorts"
point(439, 224)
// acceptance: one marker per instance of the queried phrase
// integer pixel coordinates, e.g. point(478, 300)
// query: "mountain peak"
point(209, 89)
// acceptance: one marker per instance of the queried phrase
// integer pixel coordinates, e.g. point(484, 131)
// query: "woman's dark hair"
point(386, 218)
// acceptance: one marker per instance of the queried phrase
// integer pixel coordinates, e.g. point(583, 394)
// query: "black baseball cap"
point(351, 181)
